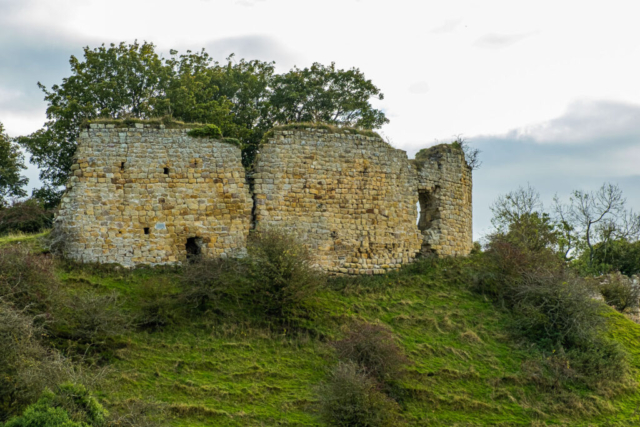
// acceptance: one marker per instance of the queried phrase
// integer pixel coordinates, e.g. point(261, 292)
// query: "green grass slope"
point(467, 368)
point(230, 368)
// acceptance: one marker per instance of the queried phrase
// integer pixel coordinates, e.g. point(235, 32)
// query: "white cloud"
point(247, 3)
point(494, 40)
point(448, 27)
point(419, 88)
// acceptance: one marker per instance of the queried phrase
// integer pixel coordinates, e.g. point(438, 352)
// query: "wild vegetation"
point(513, 334)
point(242, 99)
point(11, 163)
point(508, 336)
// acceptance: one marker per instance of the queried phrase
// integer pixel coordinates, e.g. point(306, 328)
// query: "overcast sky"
point(548, 90)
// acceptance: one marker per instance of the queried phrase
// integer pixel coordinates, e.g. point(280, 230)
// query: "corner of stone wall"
point(444, 190)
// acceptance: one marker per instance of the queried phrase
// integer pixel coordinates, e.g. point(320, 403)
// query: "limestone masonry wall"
point(351, 198)
point(444, 191)
point(149, 195)
point(138, 194)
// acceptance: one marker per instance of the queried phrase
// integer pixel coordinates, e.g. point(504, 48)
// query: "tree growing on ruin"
point(11, 163)
point(243, 98)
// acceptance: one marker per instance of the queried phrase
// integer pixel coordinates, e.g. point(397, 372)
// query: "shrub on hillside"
point(620, 292)
point(282, 277)
point(375, 349)
point(91, 319)
point(76, 400)
point(137, 413)
point(26, 367)
point(557, 311)
point(27, 216)
point(600, 359)
point(550, 306)
point(351, 398)
point(505, 265)
point(28, 281)
point(207, 283)
point(159, 304)
point(276, 279)
point(71, 406)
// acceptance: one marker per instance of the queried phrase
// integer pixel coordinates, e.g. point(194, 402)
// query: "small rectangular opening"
point(146, 230)
point(121, 166)
point(194, 248)
point(166, 171)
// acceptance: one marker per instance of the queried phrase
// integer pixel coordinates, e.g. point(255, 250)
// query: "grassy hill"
point(228, 367)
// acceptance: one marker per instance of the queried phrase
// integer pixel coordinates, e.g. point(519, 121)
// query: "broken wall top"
point(140, 191)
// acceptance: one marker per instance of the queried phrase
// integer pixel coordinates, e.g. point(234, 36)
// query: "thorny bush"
point(352, 398)
point(283, 280)
point(375, 349)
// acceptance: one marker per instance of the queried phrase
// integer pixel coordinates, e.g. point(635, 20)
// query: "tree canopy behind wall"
point(11, 163)
point(244, 98)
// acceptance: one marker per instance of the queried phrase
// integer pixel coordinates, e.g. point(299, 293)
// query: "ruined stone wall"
point(444, 191)
point(350, 198)
point(143, 195)
point(150, 195)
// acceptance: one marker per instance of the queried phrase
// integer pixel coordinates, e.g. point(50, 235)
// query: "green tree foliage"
point(118, 81)
point(615, 255)
point(519, 218)
point(236, 96)
point(26, 216)
point(192, 94)
point(11, 163)
point(592, 222)
point(243, 98)
point(325, 94)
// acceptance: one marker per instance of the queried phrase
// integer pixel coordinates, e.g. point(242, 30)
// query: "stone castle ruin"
point(145, 194)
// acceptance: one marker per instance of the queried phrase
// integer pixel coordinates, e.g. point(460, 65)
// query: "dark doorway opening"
point(146, 230)
point(194, 248)
point(166, 171)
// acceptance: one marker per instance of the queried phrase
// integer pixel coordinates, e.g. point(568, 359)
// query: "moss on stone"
point(324, 126)
point(206, 131)
point(159, 123)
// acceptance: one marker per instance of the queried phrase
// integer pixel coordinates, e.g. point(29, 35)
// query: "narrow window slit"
point(146, 230)
point(121, 166)
point(166, 171)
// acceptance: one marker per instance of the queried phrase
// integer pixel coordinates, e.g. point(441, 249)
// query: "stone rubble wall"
point(350, 198)
point(444, 187)
point(119, 187)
